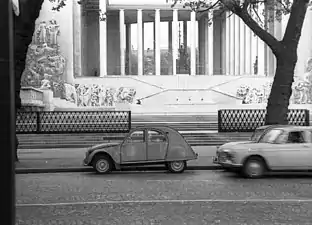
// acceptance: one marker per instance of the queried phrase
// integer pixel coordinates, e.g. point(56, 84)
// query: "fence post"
point(129, 120)
point(38, 122)
point(219, 121)
point(307, 117)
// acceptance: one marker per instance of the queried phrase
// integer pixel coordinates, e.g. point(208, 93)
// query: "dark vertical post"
point(38, 122)
point(129, 120)
point(219, 121)
point(7, 118)
point(307, 117)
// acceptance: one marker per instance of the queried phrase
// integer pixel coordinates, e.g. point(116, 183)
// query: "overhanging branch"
point(265, 36)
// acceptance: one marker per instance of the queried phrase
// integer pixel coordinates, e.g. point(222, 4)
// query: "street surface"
point(72, 157)
point(191, 198)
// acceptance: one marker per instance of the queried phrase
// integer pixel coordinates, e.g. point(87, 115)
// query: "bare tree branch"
point(265, 36)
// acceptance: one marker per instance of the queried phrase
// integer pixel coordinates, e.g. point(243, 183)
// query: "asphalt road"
point(194, 197)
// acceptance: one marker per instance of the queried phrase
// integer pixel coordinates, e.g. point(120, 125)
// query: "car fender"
point(109, 151)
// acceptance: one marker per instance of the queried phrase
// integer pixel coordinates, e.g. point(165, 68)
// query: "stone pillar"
point(122, 42)
point(77, 39)
point(170, 48)
point(157, 42)
point(202, 44)
point(227, 43)
point(254, 54)
point(305, 45)
point(248, 58)
point(242, 45)
point(140, 42)
point(236, 43)
point(209, 48)
point(232, 45)
point(103, 41)
point(174, 41)
point(261, 48)
point(193, 43)
point(128, 49)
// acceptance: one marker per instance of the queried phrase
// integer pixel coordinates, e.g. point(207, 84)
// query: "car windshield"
point(271, 136)
point(257, 134)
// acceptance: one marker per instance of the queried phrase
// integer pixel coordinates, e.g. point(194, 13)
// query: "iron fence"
point(247, 120)
point(73, 122)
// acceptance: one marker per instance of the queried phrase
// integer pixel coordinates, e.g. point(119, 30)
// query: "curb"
point(89, 169)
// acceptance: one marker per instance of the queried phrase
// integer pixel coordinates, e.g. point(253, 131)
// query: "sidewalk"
point(70, 160)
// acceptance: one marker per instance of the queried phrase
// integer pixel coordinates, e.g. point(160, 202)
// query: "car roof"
point(286, 127)
point(163, 128)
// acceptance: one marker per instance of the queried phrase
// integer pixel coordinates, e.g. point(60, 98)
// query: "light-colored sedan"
point(271, 148)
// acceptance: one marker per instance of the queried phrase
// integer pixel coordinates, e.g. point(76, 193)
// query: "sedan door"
point(157, 145)
point(133, 149)
point(296, 153)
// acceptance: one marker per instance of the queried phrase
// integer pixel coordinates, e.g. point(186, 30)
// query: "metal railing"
point(73, 122)
point(247, 120)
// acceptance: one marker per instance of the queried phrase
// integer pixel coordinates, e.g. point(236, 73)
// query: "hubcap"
point(254, 168)
point(102, 165)
point(177, 166)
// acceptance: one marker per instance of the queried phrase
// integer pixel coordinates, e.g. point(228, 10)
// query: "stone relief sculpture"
point(94, 95)
point(302, 90)
point(45, 66)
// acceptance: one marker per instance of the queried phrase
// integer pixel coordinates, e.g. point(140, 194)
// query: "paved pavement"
point(191, 198)
point(70, 160)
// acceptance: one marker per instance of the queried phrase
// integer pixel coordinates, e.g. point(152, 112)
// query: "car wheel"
point(176, 166)
point(102, 164)
point(254, 167)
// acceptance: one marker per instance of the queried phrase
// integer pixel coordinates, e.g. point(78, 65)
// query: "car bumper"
point(226, 163)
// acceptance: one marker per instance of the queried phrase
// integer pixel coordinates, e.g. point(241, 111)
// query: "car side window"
point(136, 136)
point(271, 136)
point(308, 136)
point(296, 137)
point(155, 136)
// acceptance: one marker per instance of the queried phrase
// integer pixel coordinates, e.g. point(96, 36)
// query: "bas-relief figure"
point(95, 95)
point(302, 90)
point(45, 66)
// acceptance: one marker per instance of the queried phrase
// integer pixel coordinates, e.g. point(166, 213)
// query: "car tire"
point(102, 164)
point(176, 166)
point(254, 167)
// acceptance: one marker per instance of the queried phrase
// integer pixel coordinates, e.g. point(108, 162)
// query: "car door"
point(296, 152)
point(157, 145)
point(133, 149)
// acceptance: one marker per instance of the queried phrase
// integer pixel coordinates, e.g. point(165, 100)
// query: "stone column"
point(170, 48)
point(193, 43)
point(122, 41)
point(77, 39)
point(242, 45)
point(305, 45)
point(227, 43)
point(237, 44)
point(157, 42)
point(232, 45)
point(128, 49)
point(202, 44)
point(140, 42)
point(103, 41)
point(174, 41)
point(261, 48)
point(209, 47)
point(248, 64)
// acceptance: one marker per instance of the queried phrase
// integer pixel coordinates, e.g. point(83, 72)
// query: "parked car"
point(142, 146)
point(271, 148)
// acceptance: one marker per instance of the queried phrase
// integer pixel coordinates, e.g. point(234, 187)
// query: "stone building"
point(170, 59)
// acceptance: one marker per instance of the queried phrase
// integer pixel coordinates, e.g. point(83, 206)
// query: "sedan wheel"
point(254, 168)
point(102, 164)
point(176, 166)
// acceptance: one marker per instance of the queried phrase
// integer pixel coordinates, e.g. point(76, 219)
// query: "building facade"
point(168, 58)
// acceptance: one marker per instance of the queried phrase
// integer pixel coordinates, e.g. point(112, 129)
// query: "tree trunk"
point(24, 26)
point(281, 91)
